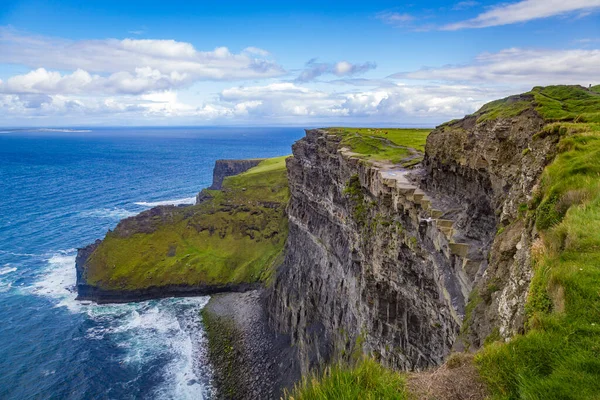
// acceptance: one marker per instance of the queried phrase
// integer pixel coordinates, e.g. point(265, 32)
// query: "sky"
point(310, 63)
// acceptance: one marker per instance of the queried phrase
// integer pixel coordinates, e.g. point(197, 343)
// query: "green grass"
point(553, 103)
point(505, 108)
point(567, 103)
point(559, 356)
point(383, 144)
point(235, 237)
point(367, 380)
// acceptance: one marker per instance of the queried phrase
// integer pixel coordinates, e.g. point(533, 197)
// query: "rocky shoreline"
point(251, 360)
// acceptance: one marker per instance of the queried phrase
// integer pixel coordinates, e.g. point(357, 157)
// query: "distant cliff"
point(225, 168)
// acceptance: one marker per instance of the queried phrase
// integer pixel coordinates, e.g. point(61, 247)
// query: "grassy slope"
point(235, 237)
point(383, 144)
point(559, 356)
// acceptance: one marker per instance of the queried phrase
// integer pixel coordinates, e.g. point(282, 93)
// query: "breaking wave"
point(176, 202)
point(165, 332)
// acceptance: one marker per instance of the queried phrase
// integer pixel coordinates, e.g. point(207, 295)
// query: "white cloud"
point(400, 103)
point(266, 104)
point(173, 60)
point(142, 80)
point(520, 66)
point(315, 69)
point(525, 10)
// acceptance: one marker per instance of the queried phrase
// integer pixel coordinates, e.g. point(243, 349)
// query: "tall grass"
point(367, 380)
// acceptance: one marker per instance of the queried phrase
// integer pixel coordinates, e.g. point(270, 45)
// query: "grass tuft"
point(367, 380)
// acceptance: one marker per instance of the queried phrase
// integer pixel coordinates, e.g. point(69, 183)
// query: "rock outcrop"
point(489, 169)
point(392, 262)
point(225, 168)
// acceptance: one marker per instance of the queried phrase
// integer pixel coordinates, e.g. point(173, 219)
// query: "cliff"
point(409, 265)
point(230, 241)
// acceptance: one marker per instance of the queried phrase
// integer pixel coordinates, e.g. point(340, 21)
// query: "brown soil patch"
point(457, 379)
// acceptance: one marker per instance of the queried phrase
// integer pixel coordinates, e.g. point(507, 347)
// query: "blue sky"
point(66, 63)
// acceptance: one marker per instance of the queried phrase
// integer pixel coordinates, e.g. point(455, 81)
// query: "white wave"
point(166, 329)
point(176, 202)
point(58, 281)
point(161, 329)
point(7, 269)
point(5, 286)
point(5, 282)
point(116, 213)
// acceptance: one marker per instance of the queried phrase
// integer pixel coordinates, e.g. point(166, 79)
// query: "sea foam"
point(176, 202)
point(58, 281)
point(147, 332)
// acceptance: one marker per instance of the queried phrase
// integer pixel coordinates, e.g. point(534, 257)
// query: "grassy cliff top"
point(236, 236)
point(553, 103)
point(395, 145)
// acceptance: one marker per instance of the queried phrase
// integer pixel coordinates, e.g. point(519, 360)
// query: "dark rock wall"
point(491, 169)
point(378, 284)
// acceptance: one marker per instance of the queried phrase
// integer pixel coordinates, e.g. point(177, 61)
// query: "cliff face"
point(491, 168)
point(384, 260)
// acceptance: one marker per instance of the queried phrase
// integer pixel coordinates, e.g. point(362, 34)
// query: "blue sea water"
point(63, 189)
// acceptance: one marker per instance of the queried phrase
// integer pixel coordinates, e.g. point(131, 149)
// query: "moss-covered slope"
point(235, 236)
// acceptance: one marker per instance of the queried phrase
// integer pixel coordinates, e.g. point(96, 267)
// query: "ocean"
point(62, 189)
